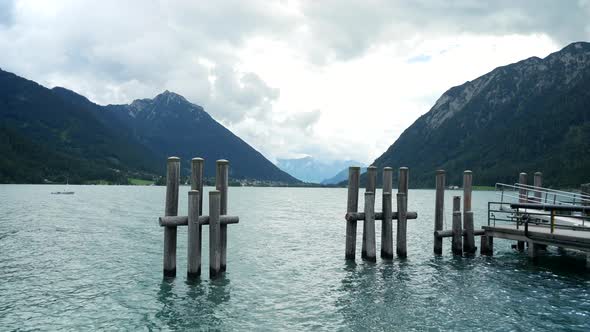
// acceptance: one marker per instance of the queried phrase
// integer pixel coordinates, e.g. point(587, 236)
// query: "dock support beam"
point(171, 209)
point(402, 224)
point(221, 184)
point(214, 236)
point(439, 210)
point(533, 250)
point(369, 252)
point(468, 237)
point(194, 236)
point(403, 185)
point(487, 245)
point(522, 198)
point(369, 188)
point(386, 223)
point(352, 206)
point(457, 242)
point(468, 233)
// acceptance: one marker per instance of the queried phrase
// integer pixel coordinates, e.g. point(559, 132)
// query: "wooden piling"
point(371, 179)
point(468, 238)
point(522, 193)
point(457, 239)
point(456, 203)
point(403, 184)
point(221, 184)
point(468, 233)
point(457, 244)
point(402, 224)
point(387, 179)
point(194, 236)
point(386, 228)
point(467, 188)
point(352, 206)
point(538, 183)
point(369, 188)
point(197, 165)
point(439, 210)
point(487, 245)
point(214, 236)
point(368, 250)
point(197, 168)
point(386, 222)
point(522, 198)
point(171, 209)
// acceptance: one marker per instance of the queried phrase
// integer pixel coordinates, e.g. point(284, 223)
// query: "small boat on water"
point(64, 192)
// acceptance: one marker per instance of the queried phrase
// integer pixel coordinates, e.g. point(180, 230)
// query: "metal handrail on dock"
point(541, 194)
point(542, 215)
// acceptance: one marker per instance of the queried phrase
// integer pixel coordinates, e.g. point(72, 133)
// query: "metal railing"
point(522, 193)
point(541, 215)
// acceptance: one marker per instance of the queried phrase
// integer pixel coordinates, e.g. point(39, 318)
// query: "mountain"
point(342, 175)
point(44, 137)
point(51, 135)
point(533, 115)
point(172, 126)
point(309, 169)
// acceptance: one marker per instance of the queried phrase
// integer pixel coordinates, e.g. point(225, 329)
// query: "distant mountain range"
point(52, 134)
point(309, 169)
point(533, 115)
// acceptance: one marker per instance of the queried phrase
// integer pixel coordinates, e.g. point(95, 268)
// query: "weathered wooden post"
point(467, 189)
point(468, 235)
point(386, 223)
point(457, 245)
point(171, 209)
point(538, 183)
point(369, 252)
point(369, 188)
point(439, 210)
point(214, 236)
point(197, 166)
point(221, 184)
point(403, 185)
point(522, 198)
point(194, 235)
point(402, 224)
point(371, 179)
point(352, 206)
point(487, 245)
point(386, 228)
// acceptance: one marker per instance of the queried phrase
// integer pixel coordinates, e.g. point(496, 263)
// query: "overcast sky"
point(334, 79)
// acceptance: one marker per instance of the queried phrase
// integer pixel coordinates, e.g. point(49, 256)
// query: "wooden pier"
point(369, 216)
point(217, 219)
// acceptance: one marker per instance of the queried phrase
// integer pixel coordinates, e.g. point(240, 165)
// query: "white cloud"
point(335, 79)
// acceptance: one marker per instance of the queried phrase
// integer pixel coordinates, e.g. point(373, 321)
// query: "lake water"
point(94, 261)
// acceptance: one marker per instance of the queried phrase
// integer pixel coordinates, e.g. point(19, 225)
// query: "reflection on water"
point(93, 261)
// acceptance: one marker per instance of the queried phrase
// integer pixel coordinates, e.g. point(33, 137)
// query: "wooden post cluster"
point(369, 216)
point(217, 219)
point(462, 232)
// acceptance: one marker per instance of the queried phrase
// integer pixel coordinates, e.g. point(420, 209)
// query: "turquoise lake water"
point(93, 261)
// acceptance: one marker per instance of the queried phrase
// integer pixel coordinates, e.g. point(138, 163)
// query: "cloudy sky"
point(336, 79)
